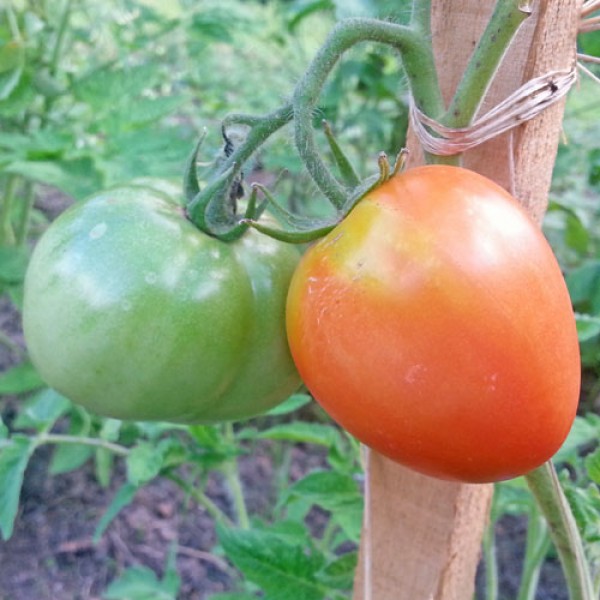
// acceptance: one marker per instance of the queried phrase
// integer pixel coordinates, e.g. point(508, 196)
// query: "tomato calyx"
point(214, 208)
point(302, 230)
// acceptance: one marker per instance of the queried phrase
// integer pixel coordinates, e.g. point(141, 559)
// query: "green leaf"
point(104, 458)
point(20, 379)
point(311, 433)
point(594, 167)
point(42, 410)
point(584, 287)
point(301, 9)
point(14, 456)
point(167, 10)
point(108, 88)
point(511, 497)
point(582, 432)
point(293, 403)
point(122, 498)
point(103, 464)
point(589, 43)
point(77, 177)
point(140, 583)
point(576, 234)
point(144, 463)
point(233, 596)
point(21, 96)
point(206, 436)
point(284, 571)
point(592, 465)
point(69, 457)
point(339, 573)
point(12, 61)
point(149, 151)
point(13, 264)
point(588, 327)
point(337, 493)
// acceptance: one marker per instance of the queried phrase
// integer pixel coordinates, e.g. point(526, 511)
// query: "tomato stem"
point(213, 209)
point(421, 16)
point(545, 487)
point(483, 64)
point(417, 57)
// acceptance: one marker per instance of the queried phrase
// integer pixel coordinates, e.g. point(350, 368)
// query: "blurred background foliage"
point(95, 94)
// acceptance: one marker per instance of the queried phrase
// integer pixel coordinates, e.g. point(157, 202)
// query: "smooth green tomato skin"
point(134, 313)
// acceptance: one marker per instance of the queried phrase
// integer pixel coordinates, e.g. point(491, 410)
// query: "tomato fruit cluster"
point(134, 313)
point(434, 324)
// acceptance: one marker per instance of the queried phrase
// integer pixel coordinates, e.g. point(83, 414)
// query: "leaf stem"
point(545, 487)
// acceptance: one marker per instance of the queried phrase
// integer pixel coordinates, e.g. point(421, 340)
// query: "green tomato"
point(134, 313)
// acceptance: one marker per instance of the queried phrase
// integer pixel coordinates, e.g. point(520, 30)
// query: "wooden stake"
point(422, 537)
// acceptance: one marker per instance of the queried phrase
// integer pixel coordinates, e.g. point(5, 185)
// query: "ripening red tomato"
point(434, 324)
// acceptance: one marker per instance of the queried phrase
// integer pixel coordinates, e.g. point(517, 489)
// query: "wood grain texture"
point(422, 537)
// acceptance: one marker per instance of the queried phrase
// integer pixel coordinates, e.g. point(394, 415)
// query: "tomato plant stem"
point(483, 64)
point(60, 37)
point(536, 548)
point(202, 499)
point(421, 16)
point(22, 226)
point(491, 563)
point(7, 234)
point(417, 57)
point(56, 56)
point(261, 128)
point(545, 487)
point(232, 477)
point(59, 438)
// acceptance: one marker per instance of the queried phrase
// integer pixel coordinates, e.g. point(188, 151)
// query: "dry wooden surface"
point(422, 537)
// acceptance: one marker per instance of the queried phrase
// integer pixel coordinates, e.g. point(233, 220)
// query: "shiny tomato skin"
point(132, 312)
point(434, 324)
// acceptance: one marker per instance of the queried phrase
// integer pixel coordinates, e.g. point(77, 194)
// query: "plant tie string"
point(523, 104)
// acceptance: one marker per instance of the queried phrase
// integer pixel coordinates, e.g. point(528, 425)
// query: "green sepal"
point(347, 172)
point(236, 230)
point(208, 209)
point(191, 185)
point(295, 236)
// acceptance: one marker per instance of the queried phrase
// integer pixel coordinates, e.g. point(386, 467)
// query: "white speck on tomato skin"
point(491, 381)
point(98, 231)
point(150, 277)
point(414, 373)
